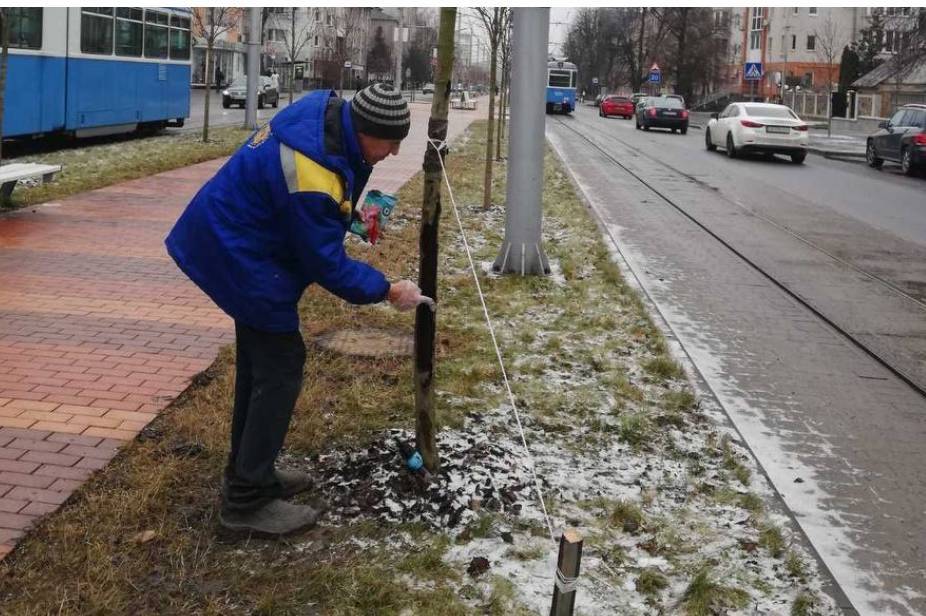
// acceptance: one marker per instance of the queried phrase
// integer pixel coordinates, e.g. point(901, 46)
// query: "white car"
point(758, 127)
point(427, 88)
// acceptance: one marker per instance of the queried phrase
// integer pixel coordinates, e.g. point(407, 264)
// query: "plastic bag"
point(370, 220)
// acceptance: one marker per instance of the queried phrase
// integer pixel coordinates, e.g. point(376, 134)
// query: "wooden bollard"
point(567, 573)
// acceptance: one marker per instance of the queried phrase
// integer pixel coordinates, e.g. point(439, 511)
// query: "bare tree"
point(212, 22)
point(349, 29)
point(829, 43)
point(503, 98)
point(495, 20)
point(295, 37)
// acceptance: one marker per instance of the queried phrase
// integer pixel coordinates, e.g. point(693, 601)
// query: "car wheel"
point(708, 144)
point(260, 101)
point(683, 131)
point(646, 127)
point(798, 158)
point(906, 162)
point(226, 102)
point(638, 124)
point(674, 130)
point(731, 149)
point(601, 113)
point(276, 102)
point(872, 156)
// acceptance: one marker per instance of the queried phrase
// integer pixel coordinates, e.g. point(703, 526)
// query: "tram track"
point(908, 379)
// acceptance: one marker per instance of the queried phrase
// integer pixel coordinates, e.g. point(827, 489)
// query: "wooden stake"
point(567, 573)
point(425, 318)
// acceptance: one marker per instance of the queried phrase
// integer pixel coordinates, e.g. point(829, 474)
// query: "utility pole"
point(522, 251)
point(250, 109)
point(399, 36)
point(425, 317)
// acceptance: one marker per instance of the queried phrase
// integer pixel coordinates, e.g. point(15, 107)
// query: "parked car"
point(757, 127)
point(636, 97)
point(236, 93)
point(616, 105)
point(677, 96)
point(600, 97)
point(427, 88)
point(662, 112)
point(901, 139)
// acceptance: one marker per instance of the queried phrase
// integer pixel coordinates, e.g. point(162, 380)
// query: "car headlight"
point(225, 92)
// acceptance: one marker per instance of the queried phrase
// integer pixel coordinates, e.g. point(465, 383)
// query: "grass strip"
point(96, 166)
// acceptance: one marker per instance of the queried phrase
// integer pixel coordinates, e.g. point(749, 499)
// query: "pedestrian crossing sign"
point(753, 71)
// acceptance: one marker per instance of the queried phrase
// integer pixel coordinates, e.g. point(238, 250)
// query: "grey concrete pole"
point(250, 108)
point(522, 251)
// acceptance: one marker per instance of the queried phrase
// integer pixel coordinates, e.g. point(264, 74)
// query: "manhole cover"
point(366, 342)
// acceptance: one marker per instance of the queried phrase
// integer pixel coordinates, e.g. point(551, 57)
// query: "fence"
point(808, 104)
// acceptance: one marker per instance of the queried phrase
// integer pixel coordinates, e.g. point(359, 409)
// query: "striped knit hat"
point(380, 111)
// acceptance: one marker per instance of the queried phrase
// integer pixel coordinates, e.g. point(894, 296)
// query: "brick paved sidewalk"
point(99, 331)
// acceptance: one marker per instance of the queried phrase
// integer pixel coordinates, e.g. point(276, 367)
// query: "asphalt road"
point(840, 435)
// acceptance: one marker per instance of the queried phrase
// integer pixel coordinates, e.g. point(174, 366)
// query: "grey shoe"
point(293, 482)
point(277, 517)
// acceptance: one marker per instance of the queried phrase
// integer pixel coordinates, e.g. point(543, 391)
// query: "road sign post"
point(655, 75)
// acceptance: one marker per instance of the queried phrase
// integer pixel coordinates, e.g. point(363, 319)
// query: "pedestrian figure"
point(219, 77)
point(271, 222)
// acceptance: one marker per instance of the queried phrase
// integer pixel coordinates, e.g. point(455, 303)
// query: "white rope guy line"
point(437, 145)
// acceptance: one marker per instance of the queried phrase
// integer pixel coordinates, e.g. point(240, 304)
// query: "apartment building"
point(799, 46)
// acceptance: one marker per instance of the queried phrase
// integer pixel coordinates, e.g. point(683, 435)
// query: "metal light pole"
point(522, 252)
point(250, 108)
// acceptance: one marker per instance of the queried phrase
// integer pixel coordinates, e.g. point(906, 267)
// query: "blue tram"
point(92, 71)
point(561, 86)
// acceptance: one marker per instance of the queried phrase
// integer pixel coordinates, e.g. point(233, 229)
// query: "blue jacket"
point(272, 221)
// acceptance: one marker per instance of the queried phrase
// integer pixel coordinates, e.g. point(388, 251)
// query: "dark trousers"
point(267, 382)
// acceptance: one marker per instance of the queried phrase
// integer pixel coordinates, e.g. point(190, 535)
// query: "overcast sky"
point(559, 18)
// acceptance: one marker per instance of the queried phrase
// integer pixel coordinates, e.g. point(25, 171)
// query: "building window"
point(755, 30)
point(328, 18)
point(812, 10)
point(96, 30)
point(156, 34)
point(179, 38)
point(793, 41)
point(795, 10)
point(807, 81)
point(129, 29)
point(25, 28)
point(811, 42)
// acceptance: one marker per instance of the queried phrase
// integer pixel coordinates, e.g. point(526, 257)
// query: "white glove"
point(405, 295)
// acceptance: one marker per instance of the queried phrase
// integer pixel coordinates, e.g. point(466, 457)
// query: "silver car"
point(236, 93)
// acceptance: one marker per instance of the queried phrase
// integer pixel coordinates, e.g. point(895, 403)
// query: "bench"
point(10, 174)
point(463, 102)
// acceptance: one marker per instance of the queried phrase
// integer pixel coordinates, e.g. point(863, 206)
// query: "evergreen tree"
point(848, 67)
point(870, 43)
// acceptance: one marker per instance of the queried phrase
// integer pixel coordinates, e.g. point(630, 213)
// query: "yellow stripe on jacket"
point(305, 175)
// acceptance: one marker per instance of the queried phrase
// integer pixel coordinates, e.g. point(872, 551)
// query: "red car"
point(616, 105)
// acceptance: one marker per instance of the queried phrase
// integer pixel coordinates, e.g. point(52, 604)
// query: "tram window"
point(559, 79)
point(179, 44)
point(96, 30)
point(129, 30)
point(573, 79)
point(25, 28)
point(155, 34)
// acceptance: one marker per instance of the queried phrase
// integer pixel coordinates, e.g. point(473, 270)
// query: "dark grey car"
point(901, 139)
point(237, 92)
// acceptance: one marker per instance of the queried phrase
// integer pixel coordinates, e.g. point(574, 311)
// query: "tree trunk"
point(487, 182)
point(680, 72)
point(637, 76)
point(292, 53)
point(425, 318)
point(501, 115)
point(4, 61)
point(208, 79)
